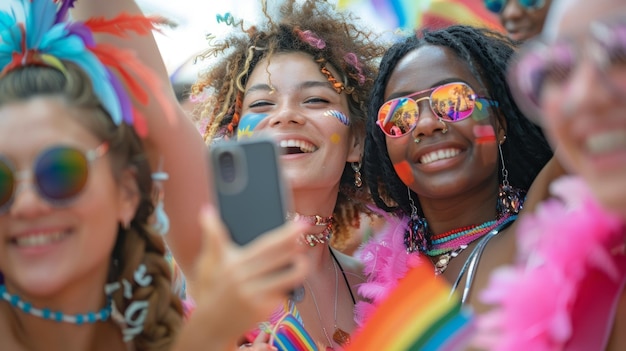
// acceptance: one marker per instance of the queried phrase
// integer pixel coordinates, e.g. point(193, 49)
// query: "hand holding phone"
point(250, 190)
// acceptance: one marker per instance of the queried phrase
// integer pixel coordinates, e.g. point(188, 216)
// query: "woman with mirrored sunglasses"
point(450, 156)
point(568, 282)
point(522, 19)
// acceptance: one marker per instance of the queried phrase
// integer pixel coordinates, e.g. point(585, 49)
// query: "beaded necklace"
point(450, 244)
point(57, 316)
point(453, 239)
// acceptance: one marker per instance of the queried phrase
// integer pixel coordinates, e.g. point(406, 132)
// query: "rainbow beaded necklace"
point(57, 316)
point(457, 238)
point(450, 244)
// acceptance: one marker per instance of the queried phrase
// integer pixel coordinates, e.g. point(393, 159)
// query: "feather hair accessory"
point(48, 38)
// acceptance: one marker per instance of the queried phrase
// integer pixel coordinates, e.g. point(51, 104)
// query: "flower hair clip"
point(48, 38)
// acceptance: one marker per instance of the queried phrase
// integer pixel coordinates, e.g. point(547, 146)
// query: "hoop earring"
point(356, 167)
point(510, 199)
point(445, 126)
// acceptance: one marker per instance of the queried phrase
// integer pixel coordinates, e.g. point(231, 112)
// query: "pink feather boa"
point(562, 292)
point(385, 261)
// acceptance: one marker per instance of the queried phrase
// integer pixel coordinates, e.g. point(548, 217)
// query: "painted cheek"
point(485, 143)
point(484, 134)
point(342, 118)
point(404, 172)
point(247, 124)
point(335, 138)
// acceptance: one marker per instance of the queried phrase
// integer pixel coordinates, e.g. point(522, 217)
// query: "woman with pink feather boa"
point(566, 290)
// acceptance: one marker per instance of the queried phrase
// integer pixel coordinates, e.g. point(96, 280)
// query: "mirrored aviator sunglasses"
point(543, 68)
point(59, 175)
point(451, 102)
point(497, 6)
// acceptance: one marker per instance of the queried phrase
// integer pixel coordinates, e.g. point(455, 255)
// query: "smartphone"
point(249, 187)
point(250, 190)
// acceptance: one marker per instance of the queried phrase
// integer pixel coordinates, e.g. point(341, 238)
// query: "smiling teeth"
point(39, 239)
point(606, 142)
point(302, 145)
point(439, 155)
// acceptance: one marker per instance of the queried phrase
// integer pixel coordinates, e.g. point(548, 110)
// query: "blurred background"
point(197, 18)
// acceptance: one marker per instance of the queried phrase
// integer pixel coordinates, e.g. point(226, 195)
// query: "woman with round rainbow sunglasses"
point(566, 289)
point(522, 19)
point(450, 156)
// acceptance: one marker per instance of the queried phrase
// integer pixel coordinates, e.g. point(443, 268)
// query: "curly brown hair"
point(137, 244)
point(313, 27)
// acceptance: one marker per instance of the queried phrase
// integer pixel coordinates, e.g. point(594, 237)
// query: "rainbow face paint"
point(247, 124)
point(484, 134)
point(486, 144)
point(481, 112)
point(342, 118)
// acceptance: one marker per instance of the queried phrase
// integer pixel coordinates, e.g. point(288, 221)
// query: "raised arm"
point(172, 139)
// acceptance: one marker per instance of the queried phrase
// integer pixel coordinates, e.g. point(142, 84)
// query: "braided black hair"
point(487, 54)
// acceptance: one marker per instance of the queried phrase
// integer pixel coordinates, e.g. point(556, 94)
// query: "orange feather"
point(140, 80)
point(140, 123)
point(125, 23)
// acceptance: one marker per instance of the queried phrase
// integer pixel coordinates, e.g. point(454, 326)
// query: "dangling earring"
point(445, 126)
point(415, 235)
point(356, 167)
point(510, 199)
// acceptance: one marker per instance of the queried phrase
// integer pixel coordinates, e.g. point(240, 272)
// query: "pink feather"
point(385, 261)
point(542, 303)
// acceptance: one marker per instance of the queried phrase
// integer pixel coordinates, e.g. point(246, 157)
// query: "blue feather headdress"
point(47, 37)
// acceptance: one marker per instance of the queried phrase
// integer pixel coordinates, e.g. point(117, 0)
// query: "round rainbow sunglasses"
point(543, 66)
point(59, 175)
point(451, 102)
point(496, 6)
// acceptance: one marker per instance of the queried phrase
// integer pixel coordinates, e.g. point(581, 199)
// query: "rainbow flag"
point(418, 314)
